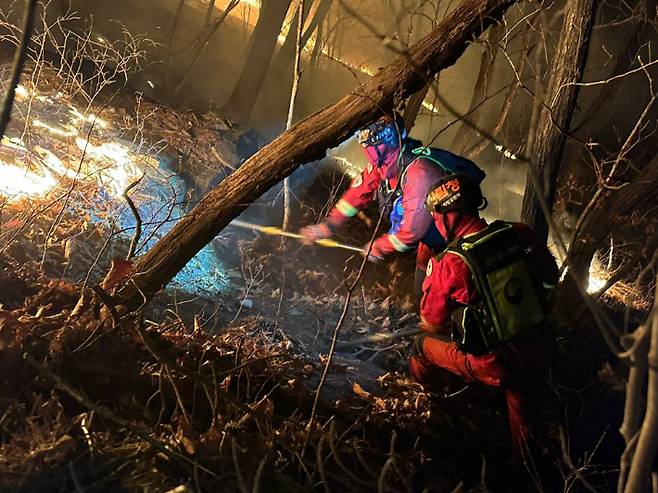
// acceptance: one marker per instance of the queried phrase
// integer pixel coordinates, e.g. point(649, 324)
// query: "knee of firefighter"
point(417, 347)
point(419, 369)
point(487, 369)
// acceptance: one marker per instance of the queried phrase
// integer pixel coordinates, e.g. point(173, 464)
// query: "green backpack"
point(509, 304)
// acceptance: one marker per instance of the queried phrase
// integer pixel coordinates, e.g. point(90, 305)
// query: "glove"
point(315, 232)
point(375, 256)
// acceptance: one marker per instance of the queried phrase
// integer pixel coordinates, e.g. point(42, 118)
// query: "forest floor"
point(199, 393)
point(154, 403)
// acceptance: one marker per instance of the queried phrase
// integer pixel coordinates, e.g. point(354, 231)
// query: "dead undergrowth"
point(157, 405)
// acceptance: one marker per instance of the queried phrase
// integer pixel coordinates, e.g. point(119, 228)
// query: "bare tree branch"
point(17, 65)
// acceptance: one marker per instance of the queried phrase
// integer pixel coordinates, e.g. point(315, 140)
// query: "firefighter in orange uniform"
point(485, 303)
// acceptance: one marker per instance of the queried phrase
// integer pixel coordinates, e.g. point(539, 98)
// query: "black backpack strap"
point(450, 248)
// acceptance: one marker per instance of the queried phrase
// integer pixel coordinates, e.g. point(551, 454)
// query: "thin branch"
point(18, 63)
point(136, 428)
point(211, 32)
point(605, 183)
point(138, 219)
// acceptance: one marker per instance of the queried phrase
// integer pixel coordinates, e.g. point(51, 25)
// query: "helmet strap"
point(381, 156)
point(446, 227)
point(451, 229)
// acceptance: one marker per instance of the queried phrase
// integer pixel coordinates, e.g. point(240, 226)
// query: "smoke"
point(352, 51)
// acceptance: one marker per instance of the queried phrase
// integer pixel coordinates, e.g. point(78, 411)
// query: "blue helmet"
point(386, 130)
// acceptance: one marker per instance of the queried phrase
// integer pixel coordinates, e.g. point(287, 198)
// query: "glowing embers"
point(617, 291)
point(67, 142)
point(53, 163)
point(21, 92)
point(347, 166)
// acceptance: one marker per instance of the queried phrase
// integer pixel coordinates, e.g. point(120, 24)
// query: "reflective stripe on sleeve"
point(397, 244)
point(346, 209)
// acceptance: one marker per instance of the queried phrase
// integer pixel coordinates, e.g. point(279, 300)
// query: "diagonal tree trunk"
point(261, 48)
point(555, 118)
point(209, 12)
point(306, 141)
point(318, 18)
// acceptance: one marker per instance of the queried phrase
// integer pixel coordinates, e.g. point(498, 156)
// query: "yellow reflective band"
point(346, 209)
point(397, 244)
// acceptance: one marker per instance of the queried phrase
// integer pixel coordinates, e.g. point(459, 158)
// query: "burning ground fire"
point(619, 292)
point(61, 155)
point(598, 276)
point(52, 118)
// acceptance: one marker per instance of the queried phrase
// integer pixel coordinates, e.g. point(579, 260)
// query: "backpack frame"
point(509, 304)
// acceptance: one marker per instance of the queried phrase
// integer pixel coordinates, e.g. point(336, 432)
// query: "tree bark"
point(204, 39)
point(461, 141)
point(414, 103)
point(477, 147)
point(633, 402)
point(314, 63)
point(286, 53)
point(318, 18)
point(170, 44)
point(209, 12)
point(643, 15)
point(261, 48)
point(29, 14)
point(306, 141)
point(555, 118)
point(296, 76)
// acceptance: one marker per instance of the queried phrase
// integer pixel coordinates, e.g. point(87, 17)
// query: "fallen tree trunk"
point(308, 140)
point(555, 118)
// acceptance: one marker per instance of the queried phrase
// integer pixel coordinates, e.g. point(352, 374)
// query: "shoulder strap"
point(450, 248)
point(486, 234)
point(405, 163)
point(465, 251)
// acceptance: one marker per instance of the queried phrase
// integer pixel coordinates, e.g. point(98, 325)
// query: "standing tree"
point(259, 55)
point(286, 53)
point(296, 76)
point(463, 137)
point(414, 103)
point(555, 118)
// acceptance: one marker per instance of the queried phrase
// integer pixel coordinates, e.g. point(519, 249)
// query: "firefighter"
point(485, 303)
point(400, 171)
